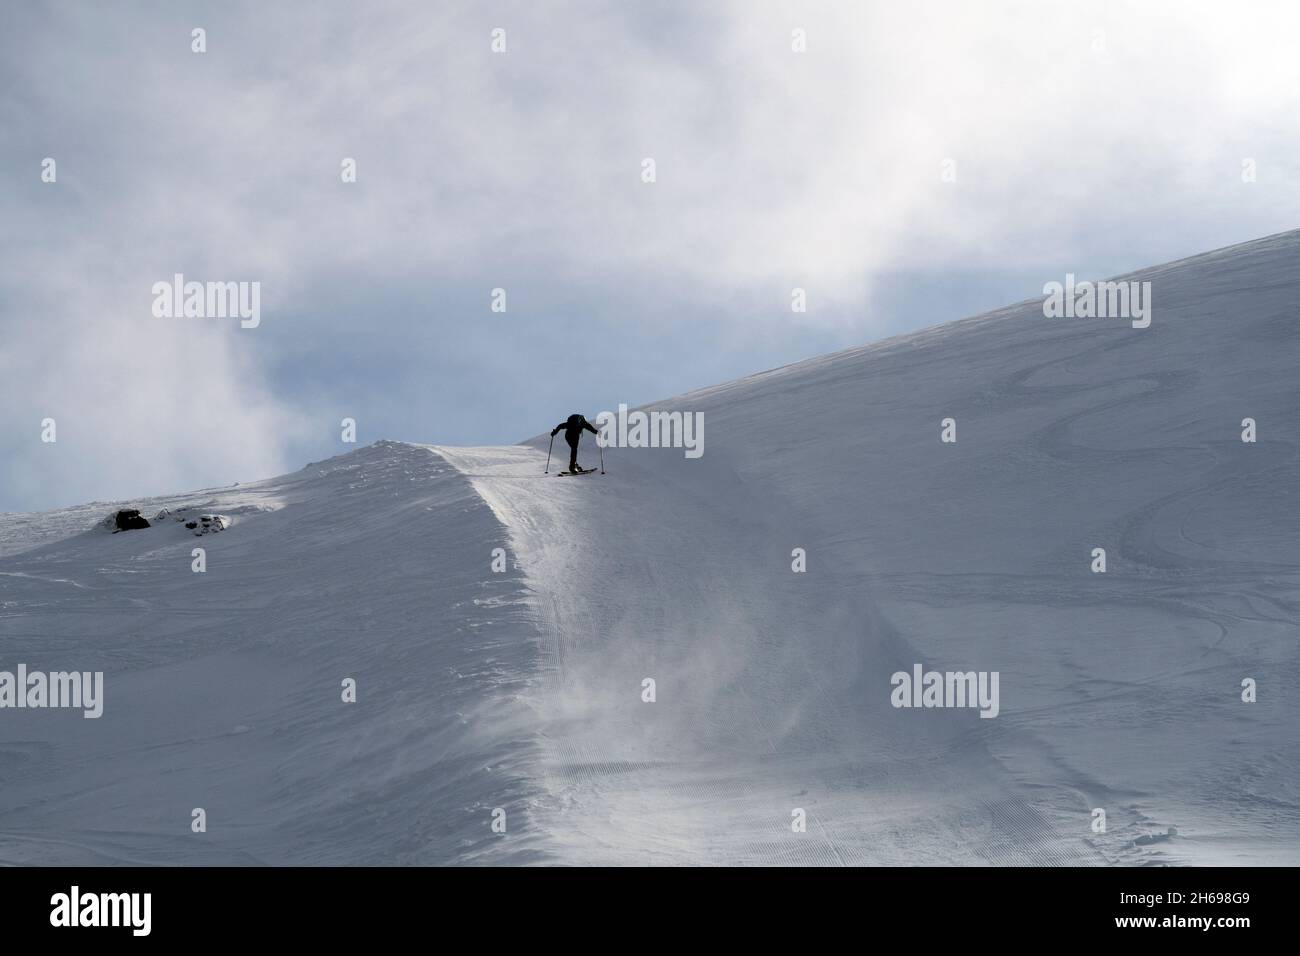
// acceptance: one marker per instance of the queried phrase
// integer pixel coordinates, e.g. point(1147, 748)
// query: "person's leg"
point(573, 456)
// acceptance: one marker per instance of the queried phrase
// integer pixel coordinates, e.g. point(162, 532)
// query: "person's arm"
point(590, 427)
point(556, 430)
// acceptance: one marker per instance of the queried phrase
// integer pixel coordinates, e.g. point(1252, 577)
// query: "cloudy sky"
point(1092, 138)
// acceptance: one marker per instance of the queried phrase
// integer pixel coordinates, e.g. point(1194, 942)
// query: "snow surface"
point(522, 690)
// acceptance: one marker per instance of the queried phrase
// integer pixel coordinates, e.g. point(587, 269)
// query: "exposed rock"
point(129, 519)
point(198, 523)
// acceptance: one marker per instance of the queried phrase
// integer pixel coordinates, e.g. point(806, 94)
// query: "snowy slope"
point(223, 689)
point(523, 690)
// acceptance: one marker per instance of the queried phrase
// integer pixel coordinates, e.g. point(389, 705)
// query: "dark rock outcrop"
point(129, 519)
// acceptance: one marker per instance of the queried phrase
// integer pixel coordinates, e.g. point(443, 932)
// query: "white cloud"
point(776, 169)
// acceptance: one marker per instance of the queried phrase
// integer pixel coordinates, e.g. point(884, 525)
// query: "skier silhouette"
point(573, 427)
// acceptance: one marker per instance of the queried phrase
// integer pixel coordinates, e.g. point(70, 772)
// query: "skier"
point(573, 427)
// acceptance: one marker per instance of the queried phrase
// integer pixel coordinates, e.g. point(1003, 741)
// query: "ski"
point(584, 471)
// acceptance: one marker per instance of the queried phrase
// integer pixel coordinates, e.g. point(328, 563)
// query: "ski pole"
point(602, 457)
point(547, 469)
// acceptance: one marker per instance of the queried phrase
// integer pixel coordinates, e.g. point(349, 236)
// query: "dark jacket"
point(573, 427)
